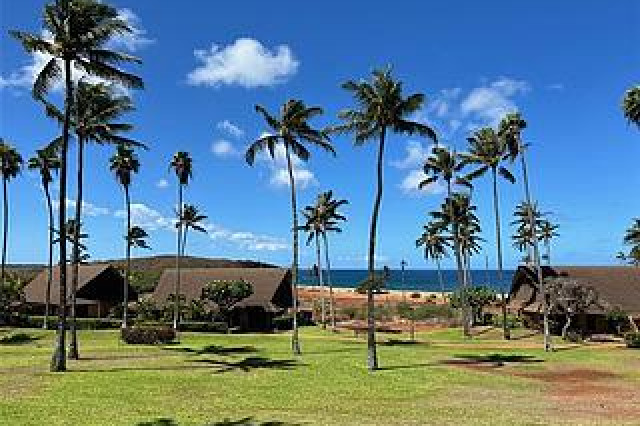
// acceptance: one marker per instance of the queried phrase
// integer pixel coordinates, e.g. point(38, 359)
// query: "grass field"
point(253, 379)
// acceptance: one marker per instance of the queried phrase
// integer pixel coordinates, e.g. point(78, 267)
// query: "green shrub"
point(513, 321)
point(147, 335)
point(35, 321)
point(632, 339)
point(424, 312)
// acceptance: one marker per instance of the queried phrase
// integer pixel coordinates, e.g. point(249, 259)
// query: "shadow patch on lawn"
point(248, 421)
point(158, 422)
point(249, 363)
point(406, 366)
point(216, 350)
point(18, 339)
point(401, 342)
point(494, 360)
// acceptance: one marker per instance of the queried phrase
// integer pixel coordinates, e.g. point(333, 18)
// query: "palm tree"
point(435, 247)
point(632, 237)
point(523, 237)
point(45, 162)
point(488, 151)
point(10, 168)
point(124, 164)
point(191, 219)
point(510, 130)
point(446, 165)
point(94, 108)
point(547, 233)
point(313, 226)
point(80, 33)
point(622, 257)
point(290, 130)
point(380, 108)
point(182, 165)
point(330, 219)
point(631, 105)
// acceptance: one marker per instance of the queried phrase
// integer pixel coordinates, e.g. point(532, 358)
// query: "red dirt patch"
point(576, 375)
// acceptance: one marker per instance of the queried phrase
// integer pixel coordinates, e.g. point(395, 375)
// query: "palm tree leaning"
point(124, 164)
point(81, 31)
point(10, 167)
point(290, 130)
point(329, 219)
point(46, 162)
point(631, 105)
point(488, 151)
point(547, 233)
point(182, 165)
point(435, 248)
point(381, 107)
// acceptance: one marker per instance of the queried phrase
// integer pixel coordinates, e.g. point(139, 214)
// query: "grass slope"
point(253, 379)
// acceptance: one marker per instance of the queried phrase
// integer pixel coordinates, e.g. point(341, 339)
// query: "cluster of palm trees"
point(631, 110)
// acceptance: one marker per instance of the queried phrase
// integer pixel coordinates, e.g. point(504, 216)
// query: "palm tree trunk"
point(73, 343)
point(462, 277)
point(58, 360)
point(565, 328)
point(295, 341)
point(496, 208)
point(128, 255)
point(536, 253)
point(47, 299)
point(548, 244)
point(5, 225)
point(372, 356)
point(332, 305)
point(323, 314)
point(440, 279)
point(176, 303)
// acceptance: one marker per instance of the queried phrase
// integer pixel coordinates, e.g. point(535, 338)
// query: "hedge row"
point(112, 323)
point(147, 335)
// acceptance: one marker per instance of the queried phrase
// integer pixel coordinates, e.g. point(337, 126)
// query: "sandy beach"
point(348, 297)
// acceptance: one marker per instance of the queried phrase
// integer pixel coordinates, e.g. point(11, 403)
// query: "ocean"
point(414, 279)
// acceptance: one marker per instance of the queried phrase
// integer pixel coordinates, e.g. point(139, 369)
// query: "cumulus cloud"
point(147, 218)
point(162, 183)
point(489, 103)
point(88, 209)
point(223, 148)
point(409, 184)
point(230, 128)
point(416, 155)
point(304, 177)
point(245, 62)
point(25, 76)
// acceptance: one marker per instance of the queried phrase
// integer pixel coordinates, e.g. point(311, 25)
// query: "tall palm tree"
point(381, 107)
point(445, 165)
point(631, 105)
point(124, 164)
point(330, 219)
point(313, 227)
point(290, 130)
point(523, 237)
point(46, 161)
point(435, 247)
point(94, 109)
point(488, 151)
point(510, 130)
point(191, 219)
point(10, 167)
point(81, 30)
point(632, 237)
point(182, 165)
point(547, 233)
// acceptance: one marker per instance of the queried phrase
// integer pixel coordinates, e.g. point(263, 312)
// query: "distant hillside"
point(147, 270)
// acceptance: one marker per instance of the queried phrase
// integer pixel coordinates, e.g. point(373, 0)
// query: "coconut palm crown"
point(631, 105)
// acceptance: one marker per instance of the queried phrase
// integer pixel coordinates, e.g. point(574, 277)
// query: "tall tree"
point(548, 233)
point(78, 32)
point(182, 165)
point(632, 238)
point(313, 227)
point(631, 105)
point(191, 219)
point(488, 151)
point(10, 168)
point(330, 219)
point(511, 127)
point(46, 161)
point(291, 130)
point(124, 164)
point(445, 165)
point(381, 107)
point(435, 245)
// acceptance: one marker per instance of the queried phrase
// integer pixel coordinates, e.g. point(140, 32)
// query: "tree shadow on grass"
point(158, 422)
point(400, 342)
point(18, 339)
point(248, 421)
point(216, 350)
point(407, 366)
point(491, 360)
point(249, 363)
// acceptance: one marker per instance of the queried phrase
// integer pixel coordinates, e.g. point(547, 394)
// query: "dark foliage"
point(147, 335)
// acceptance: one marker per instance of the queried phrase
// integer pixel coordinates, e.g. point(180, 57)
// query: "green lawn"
point(253, 379)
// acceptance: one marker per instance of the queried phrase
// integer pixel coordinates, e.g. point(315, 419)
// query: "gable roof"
point(271, 286)
point(616, 286)
point(108, 278)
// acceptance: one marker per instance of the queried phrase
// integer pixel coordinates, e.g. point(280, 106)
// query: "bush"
point(632, 339)
point(35, 321)
point(147, 335)
point(415, 295)
point(513, 321)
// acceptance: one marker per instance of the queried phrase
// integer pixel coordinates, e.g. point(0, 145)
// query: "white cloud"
point(162, 183)
point(230, 128)
point(223, 148)
point(414, 160)
point(147, 218)
point(489, 103)
point(246, 63)
point(417, 154)
point(304, 177)
point(409, 184)
point(25, 76)
point(88, 209)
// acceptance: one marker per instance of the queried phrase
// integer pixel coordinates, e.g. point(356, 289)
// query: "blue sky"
point(565, 65)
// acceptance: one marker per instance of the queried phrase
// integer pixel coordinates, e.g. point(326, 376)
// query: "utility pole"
point(403, 263)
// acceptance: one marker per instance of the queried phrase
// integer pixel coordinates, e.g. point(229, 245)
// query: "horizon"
point(542, 63)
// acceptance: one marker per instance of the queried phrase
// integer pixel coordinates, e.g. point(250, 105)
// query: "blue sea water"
point(413, 279)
